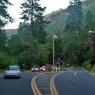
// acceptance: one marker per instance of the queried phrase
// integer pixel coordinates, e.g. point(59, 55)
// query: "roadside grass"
point(92, 71)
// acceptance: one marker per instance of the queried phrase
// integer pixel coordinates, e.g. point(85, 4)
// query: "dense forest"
point(31, 43)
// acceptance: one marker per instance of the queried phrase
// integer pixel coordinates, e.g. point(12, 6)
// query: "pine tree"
point(4, 19)
point(4, 16)
point(75, 16)
point(32, 13)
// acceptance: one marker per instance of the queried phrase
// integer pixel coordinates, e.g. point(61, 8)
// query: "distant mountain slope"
point(58, 18)
point(89, 5)
point(10, 32)
point(57, 21)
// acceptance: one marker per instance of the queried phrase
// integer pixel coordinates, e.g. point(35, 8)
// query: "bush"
point(6, 60)
point(87, 65)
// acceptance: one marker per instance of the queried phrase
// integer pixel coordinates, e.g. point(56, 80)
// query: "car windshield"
point(13, 68)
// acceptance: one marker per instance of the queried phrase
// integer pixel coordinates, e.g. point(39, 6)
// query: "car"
point(13, 71)
point(43, 69)
point(35, 69)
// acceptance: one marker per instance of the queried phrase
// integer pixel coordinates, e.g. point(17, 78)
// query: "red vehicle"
point(43, 69)
point(46, 68)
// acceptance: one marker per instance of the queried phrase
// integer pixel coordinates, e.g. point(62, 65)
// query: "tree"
point(75, 16)
point(89, 21)
point(6, 60)
point(4, 19)
point(76, 48)
point(4, 16)
point(3, 39)
point(32, 13)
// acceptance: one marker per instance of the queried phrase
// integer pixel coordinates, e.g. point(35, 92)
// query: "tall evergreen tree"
point(75, 16)
point(4, 19)
point(4, 16)
point(89, 21)
point(32, 13)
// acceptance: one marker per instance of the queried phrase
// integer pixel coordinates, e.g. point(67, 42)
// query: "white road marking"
point(75, 73)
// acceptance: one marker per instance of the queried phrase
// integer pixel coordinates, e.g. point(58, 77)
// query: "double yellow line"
point(53, 89)
point(52, 84)
point(35, 89)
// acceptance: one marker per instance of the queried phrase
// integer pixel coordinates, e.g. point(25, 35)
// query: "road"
point(43, 83)
point(75, 82)
point(20, 86)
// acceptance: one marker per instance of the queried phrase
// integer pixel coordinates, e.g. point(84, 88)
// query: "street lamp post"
point(54, 37)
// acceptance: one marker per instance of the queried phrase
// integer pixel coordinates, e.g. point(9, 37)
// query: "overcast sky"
point(52, 5)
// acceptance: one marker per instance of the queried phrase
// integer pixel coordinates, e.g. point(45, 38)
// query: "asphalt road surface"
point(75, 82)
point(43, 83)
point(20, 86)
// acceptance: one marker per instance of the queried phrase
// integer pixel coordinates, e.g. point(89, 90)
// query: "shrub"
point(87, 65)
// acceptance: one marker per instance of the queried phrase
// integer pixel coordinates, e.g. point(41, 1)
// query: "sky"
point(51, 5)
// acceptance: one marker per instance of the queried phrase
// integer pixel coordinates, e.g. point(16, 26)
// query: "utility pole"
point(54, 37)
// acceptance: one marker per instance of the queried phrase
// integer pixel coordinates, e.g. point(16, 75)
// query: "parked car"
point(35, 69)
point(13, 71)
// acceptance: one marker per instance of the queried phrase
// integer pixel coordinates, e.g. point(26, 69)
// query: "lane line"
point(34, 86)
point(52, 84)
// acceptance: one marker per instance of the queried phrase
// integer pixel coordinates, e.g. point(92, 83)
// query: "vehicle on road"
point(43, 69)
point(35, 69)
point(13, 71)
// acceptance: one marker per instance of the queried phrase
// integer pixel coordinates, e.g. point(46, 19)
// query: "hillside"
point(10, 32)
point(58, 18)
point(89, 5)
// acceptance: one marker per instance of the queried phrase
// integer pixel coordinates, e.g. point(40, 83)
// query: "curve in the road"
point(70, 84)
point(34, 86)
point(52, 84)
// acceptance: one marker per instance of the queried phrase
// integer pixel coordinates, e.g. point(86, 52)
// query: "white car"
point(35, 69)
point(12, 71)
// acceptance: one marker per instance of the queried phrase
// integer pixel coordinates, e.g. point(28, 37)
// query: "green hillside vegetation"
point(10, 32)
point(57, 21)
point(32, 42)
point(58, 18)
point(89, 5)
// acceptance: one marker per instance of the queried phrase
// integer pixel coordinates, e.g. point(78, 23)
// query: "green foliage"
point(10, 32)
point(76, 48)
point(75, 17)
point(87, 65)
point(89, 21)
point(3, 39)
point(57, 21)
point(27, 49)
point(32, 12)
point(4, 16)
point(6, 60)
point(32, 46)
